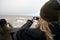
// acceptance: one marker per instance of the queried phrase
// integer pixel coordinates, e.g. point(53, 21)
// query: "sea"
point(17, 21)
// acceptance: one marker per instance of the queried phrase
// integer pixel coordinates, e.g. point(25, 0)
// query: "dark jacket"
point(55, 28)
point(26, 33)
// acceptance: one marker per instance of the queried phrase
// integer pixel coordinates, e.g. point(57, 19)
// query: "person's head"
point(58, 1)
point(48, 13)
point(3, 22)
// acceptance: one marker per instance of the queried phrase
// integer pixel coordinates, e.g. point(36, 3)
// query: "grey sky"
point(21, 7)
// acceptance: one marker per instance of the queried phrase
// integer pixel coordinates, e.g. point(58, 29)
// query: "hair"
point(43, 25)
point(2, 22)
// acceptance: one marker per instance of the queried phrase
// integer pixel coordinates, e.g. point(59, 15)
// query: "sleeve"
point(27, 24)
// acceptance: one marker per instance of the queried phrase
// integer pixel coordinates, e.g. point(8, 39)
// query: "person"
point(48, 27)
point(5, 30)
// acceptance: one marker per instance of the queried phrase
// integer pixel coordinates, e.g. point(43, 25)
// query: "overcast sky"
point(21, 7)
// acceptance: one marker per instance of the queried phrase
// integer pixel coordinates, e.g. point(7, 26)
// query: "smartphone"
point(35, 18)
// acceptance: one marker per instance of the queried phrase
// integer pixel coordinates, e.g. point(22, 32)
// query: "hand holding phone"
point(36, 18)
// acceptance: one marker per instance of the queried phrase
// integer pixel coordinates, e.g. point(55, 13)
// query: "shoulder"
point(31, 34)
point(36, 33)
point(31, 30)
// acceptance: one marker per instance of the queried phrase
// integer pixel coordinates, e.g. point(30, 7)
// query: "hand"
point(31, 19)
point(10, 25)
point(36, 18)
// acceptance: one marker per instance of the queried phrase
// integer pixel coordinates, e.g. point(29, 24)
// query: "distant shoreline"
point(17, 15)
